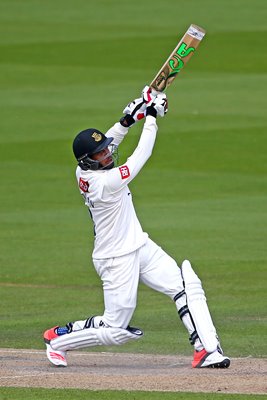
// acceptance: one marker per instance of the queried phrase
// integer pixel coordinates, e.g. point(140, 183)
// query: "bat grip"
point(154, 92)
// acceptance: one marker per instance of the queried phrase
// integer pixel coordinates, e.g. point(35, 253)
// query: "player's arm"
point(122, 175)
point(133, 112)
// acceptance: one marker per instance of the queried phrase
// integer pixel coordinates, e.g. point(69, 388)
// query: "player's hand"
point(149, 94)
point(158, 106)
point(135, 110)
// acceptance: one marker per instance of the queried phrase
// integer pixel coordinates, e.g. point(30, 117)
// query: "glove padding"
point(158, 106)
point(135, 110)
point(148, 94)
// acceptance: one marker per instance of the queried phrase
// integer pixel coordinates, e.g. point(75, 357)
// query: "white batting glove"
point(135, 110)
point(149, 93)
point(158, 106)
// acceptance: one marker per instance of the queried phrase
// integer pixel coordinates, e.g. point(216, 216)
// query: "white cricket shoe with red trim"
point(56, 357)
point(203, 359)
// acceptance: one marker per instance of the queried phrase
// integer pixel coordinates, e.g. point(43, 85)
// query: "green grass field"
point(42, 394)
point(67, 65)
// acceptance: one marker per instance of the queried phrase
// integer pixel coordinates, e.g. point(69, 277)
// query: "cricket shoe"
point(56, 357)
point(203, 359)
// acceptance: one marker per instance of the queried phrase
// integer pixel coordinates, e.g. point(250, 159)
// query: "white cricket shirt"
point(106, 193)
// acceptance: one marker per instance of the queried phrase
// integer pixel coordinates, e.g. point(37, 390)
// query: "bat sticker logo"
point(176, 63)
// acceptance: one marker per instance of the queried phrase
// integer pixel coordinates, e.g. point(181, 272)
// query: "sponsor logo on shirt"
point(125, 173)
point(83, 185)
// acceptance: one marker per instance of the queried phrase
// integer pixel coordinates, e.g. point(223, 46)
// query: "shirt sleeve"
point(118, 132)
point(121, 176)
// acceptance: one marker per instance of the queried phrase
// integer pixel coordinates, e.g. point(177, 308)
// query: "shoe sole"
point(223, 364)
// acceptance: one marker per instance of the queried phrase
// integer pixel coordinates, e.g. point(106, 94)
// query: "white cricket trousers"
point(121, 275)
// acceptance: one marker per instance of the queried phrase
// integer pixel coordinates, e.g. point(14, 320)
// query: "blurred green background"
point(68, 65)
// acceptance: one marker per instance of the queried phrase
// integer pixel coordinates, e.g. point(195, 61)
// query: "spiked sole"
point(223, 364)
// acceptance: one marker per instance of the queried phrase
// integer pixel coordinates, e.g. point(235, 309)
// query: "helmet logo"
point(96, 136)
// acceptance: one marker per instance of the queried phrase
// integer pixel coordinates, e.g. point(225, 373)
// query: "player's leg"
point(120, 277)
point(212, 354)
point(160, 272)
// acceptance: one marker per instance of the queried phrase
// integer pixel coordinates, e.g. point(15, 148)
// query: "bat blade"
point(178, 58)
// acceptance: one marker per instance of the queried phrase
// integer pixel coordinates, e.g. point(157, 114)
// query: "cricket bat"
point(178, 58)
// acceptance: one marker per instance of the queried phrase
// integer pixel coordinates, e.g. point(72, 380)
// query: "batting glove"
point(158, 106)
point(149, 94)
point(135, 111)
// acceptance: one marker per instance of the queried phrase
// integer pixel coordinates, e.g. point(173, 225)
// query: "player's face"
point(104, 157)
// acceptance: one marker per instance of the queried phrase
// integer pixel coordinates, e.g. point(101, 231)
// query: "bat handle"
point(154, 92)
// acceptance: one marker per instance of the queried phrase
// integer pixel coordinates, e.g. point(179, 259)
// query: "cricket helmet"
point(87, 143)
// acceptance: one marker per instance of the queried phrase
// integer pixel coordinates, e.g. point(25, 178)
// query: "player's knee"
point(120, 318)
point(117, 336)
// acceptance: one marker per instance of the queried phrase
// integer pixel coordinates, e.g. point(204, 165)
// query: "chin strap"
point(86, 163)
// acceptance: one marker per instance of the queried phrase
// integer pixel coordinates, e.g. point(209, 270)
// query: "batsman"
point(123, 253)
